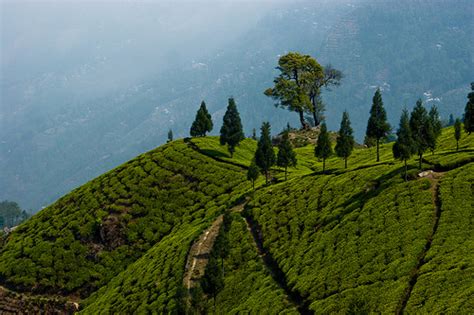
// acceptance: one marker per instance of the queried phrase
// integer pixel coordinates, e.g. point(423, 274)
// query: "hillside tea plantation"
point(356, 240)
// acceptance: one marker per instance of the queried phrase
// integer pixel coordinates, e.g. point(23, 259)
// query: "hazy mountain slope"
point(59, 130)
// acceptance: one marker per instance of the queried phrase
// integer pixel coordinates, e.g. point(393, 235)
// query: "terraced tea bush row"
point(248, 288)
point(87, 237)
point(152, 284)
point(445, 284)
point(335, 234)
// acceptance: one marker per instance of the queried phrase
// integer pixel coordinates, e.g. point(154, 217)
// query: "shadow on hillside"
point(357, 201)
point(214, 153)
point(453, 152)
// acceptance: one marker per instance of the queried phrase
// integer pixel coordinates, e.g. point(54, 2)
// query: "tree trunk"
point(345, 162)
point(303, 122)
point(457, 145)
point(378, 157)
point(406, 179)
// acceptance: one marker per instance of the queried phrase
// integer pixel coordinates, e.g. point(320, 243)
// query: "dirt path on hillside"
point(199, 254)
point(434, 178)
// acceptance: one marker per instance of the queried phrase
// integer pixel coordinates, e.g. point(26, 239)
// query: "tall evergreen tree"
point(286, 156)
point(252, 173)
point(421, 129)
point(404, 146)
point(323, 148)
point(377, 126)
point(213, 280)
point(451, 120)
point(436, 125)
point(345, 139)
point(202, 123)
point(231, 130)
point(457, 132)
point(170, 135)
point(469, 112)
point(265, 156)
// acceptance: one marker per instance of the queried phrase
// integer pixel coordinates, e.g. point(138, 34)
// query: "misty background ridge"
point(86, 86)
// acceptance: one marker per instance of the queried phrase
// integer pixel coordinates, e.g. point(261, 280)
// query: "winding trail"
point(199, 254)
point(434, 178)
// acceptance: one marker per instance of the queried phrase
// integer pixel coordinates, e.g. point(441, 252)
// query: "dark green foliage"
point(152, 284)
point(404, 147)
point(444, 284)
point(11, 214)
point(265, 155)
point(457, 132)
point(450, 121)
point(323, 148)
point(421, 129)
point(231, 130)
point(377, 126)
point(254, 134)
point(249, 287)
point(202, 123)
point(253, 172)
point(286, 156)
point(299, 75)
point(89, 236)
point(469, 111)
point(345, 139)
point(436, 126)
point(170, 136)
point(213, 280)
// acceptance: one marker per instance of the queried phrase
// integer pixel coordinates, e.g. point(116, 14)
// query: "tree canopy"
point(298, 86)
point(377, 126)
point(286, 156)
point(469, 111)
point(323, 148)
point(231, 130)
point(345, 139)
point(202, 123)
point(265, 155)
point(421, 129)
point(404, 146)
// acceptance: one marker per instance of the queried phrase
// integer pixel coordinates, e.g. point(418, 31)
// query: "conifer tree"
point(253, 172)
point(457, 132)
point(202, 123)
point(231, 130)
point(377, 126)
point(212, 281)
point(345, 139)
point(286, 156)
point(451, 120)
point(265, 156)
point(323, 148)
point(436, 125)
point(421, 129)
point(469, 112)
point(170, 136)
point(404, 146)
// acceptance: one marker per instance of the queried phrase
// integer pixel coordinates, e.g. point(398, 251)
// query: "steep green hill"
point(355, 239)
